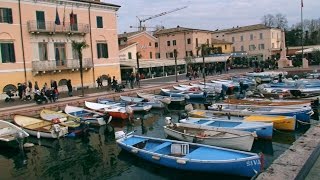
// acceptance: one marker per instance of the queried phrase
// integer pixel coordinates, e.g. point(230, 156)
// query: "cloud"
point(210, 14)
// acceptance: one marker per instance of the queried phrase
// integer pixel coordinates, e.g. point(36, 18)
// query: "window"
point(261, 36)
point(156, 44)
point(261, 46)
point(197, 42)
point(99, 22)
point(5, 15)
point(241, 38)
point(102, 49)
point(225, 47)
point(272, 45)
point(207, 41)
point(174, 42)
point(234, 49)
point(242, 48)
point(232, 39)
point(171, 55)
point(41, 21)
point(150, 55)
point(60, 53)
point(158, 55)
point(129, 55)
point(73, 22)
point(168, 43)
point(252, 47)
point(7, 54)
point(43, 51)
point(189, 41)
point(75, 54)
point(251, 37)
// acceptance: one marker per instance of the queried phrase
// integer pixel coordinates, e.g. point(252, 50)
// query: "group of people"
point(113, 84)
point(29, 91)
point(133, 78)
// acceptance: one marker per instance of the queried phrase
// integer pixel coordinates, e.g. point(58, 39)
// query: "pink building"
point(184, 40)
point(36, 41)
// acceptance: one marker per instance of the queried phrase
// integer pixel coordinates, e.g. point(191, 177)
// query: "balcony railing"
point(57, 65)
point(50, 27)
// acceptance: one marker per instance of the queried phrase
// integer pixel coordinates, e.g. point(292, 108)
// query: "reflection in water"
point(95, 155)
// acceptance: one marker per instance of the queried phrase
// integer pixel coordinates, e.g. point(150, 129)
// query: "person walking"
point(36, 86)
point(69, 86)
point(132, 77)
point(138, 79)
point(98, 82)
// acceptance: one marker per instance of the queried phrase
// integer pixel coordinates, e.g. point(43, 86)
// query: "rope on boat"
point(306, 123)
point(283, 132)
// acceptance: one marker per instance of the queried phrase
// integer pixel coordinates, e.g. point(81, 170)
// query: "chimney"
point(178, 26)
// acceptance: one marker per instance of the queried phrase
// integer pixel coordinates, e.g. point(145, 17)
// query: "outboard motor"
point(168, 121)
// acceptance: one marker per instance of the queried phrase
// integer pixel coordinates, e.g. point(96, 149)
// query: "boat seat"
point(38, 125)
point(179, 149)
point(163, 145)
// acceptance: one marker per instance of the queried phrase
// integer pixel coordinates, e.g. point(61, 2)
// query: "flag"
point(72, 18)
point(301, 3)
point(64, 16)
point(57, 21)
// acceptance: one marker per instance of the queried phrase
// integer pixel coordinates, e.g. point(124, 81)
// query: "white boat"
point(152, 97)
point(131, 99)
point(10, 132)
point(139, 101)
point(40, 128)
point(227, 138)
point(93, 117)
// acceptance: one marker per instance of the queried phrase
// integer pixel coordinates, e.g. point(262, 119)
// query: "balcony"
point(60, 65)
point(51, 28)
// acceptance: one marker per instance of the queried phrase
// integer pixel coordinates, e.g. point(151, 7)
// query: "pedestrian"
point(36, 86)
point(138, 79)
point(127, 76)
point(20, 90)
point(28, 93)
point(101, 80)
point(114, 83)
point(69, 86)
point(98, 81)
point(24, 87)
point(132, 77)
point(109, 81)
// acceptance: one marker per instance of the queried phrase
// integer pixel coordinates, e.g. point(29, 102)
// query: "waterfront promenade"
point(296, 162)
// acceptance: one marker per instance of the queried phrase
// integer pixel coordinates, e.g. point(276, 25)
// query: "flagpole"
point(302, 30)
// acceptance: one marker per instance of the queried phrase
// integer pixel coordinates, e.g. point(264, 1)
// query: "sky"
point(210, 14)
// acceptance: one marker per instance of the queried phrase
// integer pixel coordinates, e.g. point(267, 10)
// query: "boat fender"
point(156, 157)
point(55, 121)
point(135, 151)
point(181, 161)
point(38, 135)
point(56, 128)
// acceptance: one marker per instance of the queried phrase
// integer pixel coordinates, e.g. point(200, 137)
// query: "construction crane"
point(157, 15)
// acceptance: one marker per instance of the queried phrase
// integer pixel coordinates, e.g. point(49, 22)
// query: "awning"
point(309, 50)
point(146, 63)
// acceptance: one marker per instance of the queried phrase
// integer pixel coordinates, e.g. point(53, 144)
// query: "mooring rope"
point(306, 123)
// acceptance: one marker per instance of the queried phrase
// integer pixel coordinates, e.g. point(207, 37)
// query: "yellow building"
point(36, 42)
point(221, 46)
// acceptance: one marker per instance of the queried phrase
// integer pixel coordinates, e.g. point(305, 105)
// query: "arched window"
point(62, 82)
point(104, 77)
point(9, 87)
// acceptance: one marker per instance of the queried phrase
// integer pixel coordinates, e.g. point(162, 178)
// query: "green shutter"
point(98, 50)
point(9, 16)
point(99, 22)
point(1, 54)
point(105, 50)
point(11, 53)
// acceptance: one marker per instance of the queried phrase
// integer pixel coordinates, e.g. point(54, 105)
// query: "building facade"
point(258, 41)
point(184, 40)
point(36, 41)
point(146, 43)
point(221, 46)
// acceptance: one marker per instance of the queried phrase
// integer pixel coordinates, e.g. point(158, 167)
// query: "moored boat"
point(115, 111)
point(191, 156)
point(92, 117)
point(286, 123)
point(11, 133)
point(40, 128)
point(227, 138)
point(263, 130)
point(131, 99)
point(152, 97)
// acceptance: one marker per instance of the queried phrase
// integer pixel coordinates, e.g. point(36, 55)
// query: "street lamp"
point(175, 53)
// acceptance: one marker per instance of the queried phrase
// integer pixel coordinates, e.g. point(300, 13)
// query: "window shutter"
point(9, 16)
point(98, 51)
point(11, 53)
point(106, 54)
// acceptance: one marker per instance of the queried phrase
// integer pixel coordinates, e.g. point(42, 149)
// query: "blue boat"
point(263, 130)
point(186, 94)
point(191, 156)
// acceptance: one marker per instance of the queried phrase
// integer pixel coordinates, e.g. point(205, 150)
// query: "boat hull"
point(246, 167)
point(285, 123)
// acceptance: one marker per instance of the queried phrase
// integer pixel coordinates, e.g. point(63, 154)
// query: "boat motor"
point(168, 121)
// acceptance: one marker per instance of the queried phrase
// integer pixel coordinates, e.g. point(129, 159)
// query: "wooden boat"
point(74, 124)
point(263, 130)
point(186, 94)
point(286, 123)
point(114, 111)
point(227, 138)
point(191, 156)
point(302, 113)
point(92, 117)
point(265, 102)
point(151, 97)
point(186, 88)
point(10, 132)
point(131, 99)
point(40, 128)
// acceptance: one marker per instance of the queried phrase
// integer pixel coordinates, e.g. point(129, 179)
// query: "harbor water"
point(95, 155)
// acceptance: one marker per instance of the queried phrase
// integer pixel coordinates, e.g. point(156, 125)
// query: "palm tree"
point(205, 50)
point(79, 46)
point(138, 56)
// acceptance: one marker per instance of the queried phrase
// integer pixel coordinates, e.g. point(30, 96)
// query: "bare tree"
point(281, 21)
point(268, 20)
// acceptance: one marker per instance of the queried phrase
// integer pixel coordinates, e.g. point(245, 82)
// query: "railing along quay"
point(34, 109)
